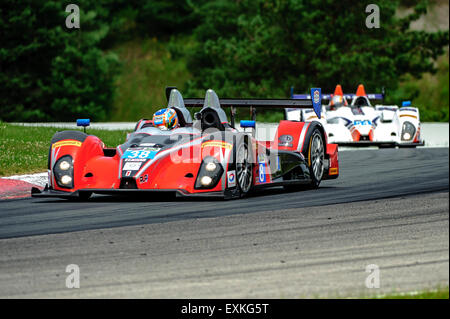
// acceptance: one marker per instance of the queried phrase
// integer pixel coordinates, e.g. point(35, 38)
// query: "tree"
point(260, 48)
point(165, 18)
point(50, 72)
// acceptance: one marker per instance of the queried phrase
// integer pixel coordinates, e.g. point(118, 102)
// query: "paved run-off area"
point(306, 252)
point(388, 207)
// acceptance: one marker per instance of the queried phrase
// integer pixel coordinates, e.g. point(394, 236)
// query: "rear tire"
point(314, 155)
point(316, 158)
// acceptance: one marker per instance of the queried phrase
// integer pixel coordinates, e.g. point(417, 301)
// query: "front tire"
point(244, 167)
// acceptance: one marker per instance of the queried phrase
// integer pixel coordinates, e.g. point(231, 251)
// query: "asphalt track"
point(393, 210)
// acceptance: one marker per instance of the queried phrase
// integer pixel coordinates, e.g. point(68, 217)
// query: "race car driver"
point(338, 99)
point(165, 119)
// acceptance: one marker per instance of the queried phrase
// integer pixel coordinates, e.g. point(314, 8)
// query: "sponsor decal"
point(362, 122)
point(135, 159)
point(128, 173)
point(147, 144)
point(67, 143)
point(132, 166)
point(231, 177)
point(226, 145)
point(143, 179)
point(285, 140)
point(262, 158)
point(262, 173)
point(316, 96)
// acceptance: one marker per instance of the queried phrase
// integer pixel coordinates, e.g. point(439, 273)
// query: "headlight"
point(210, 167)
point(63, 172)
point(66, 179)
point(64, 165)
point(408, 131)
point(206, 180)
point(209, 173)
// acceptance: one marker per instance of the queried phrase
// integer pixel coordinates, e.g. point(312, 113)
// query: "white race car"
point(361, 124)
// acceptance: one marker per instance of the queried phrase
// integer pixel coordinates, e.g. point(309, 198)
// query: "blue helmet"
point(165, 119)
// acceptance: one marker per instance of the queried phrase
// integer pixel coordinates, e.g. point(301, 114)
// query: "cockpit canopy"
point(361, 101)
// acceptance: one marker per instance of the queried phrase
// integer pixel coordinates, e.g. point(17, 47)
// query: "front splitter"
point(83, 193)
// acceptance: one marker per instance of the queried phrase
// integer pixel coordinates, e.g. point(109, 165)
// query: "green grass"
point(441, 293)
point(148, 67)
point(25, 149)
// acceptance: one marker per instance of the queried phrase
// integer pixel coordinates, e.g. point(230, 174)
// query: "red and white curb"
point(19, 186)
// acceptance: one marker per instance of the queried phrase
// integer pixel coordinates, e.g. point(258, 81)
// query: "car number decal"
point(140, 154)
point(262, 173)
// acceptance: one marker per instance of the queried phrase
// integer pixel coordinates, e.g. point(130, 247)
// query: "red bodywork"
point(98, 168)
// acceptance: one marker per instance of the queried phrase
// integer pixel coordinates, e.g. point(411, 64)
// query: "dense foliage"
point(48, 71)
point(253, 48)
point(262, 47)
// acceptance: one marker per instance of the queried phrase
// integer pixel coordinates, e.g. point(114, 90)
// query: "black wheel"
point(315, 158)
point(244, 167)
point(314, 155)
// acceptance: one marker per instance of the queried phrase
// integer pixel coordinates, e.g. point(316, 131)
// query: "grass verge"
point(440, 293)
point(24, 149)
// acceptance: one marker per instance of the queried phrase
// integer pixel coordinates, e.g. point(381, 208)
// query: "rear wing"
point(328, 96)
point(315, 103)
point(348, 97)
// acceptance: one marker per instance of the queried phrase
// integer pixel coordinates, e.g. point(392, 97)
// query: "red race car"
point(204, 157)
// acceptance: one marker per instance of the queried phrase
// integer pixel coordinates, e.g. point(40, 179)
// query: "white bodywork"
point(353, 125)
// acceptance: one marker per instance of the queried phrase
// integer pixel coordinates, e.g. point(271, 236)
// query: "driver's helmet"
point(165, 119)
point(337, 101)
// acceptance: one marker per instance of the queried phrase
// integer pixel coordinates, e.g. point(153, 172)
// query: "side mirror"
point(83, 123)
point(247, 123)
